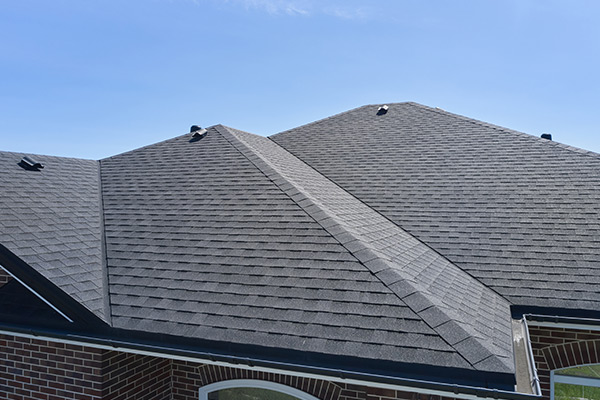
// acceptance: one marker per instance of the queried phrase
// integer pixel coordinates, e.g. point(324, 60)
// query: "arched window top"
point(251, 389)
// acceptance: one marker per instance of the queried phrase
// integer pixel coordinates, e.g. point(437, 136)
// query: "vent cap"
point(30, 164)
point(382, 110)
point(197, 132)
point(546, 136)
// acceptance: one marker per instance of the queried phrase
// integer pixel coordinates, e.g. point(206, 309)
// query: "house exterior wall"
point(44, 370)
point(189, 377)
point(38, 369)
point(131, 376)
point(555, 348)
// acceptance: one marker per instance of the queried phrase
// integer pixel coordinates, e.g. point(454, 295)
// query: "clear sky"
point(93, 78)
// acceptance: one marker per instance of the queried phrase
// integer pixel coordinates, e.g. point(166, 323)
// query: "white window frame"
point(571, 380)
point(253, 383)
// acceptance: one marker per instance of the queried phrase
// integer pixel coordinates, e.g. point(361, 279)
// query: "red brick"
point(577, 352)
point(67, 372)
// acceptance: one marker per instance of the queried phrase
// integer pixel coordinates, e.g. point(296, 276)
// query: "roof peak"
point(448, 114)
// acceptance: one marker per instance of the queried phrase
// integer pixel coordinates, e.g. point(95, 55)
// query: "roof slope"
point(519, 213)
point(469, 316)
point(51, 219)
point(203, 241)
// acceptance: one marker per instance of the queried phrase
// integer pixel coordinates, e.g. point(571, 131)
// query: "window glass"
point(577, 383)
point(242, 393)
point(592, 371)
point(565, 391)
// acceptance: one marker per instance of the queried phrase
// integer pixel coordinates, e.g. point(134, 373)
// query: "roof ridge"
point(322, 119)
point(23, 153)
point(335, 116)
point(504, 129)
point(380, 261)
point(145, 147)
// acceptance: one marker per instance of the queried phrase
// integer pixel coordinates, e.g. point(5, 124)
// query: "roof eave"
point(356, 371)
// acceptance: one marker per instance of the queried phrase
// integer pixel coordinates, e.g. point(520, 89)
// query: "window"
point(249, 389)
point(581, 383)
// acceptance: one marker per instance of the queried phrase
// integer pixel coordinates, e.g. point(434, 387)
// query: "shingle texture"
point(519, 213)
point(203, 243)
point(401, 237)
point(434, 288)
point(51, 219)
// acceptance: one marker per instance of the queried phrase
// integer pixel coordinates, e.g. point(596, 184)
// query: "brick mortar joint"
point(565, 343)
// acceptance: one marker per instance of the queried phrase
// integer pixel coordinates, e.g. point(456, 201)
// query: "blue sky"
point(95, 78)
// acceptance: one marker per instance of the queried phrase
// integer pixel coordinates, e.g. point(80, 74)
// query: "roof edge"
point(331, 117)
point(473, 384)
point(556, 313)
point(503, 129)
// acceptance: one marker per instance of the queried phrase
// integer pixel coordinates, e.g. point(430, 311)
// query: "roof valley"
point(381, 246)
point(103, 252)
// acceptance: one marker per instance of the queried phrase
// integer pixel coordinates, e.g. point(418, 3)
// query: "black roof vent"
point(197, 132)
point(546, 136)
point(30, 164)
point(382, 110)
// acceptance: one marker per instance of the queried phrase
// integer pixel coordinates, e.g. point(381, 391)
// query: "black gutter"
point(557, 313)
point(324, 371)
point(558, 319)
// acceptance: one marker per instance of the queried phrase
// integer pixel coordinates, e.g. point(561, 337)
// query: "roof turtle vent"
point(546, 136)
point(197, 133)
point(382, 110)
point(30, 164)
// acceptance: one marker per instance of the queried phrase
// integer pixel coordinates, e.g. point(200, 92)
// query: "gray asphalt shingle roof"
point(402, 237)
point(203, 243)
point(519, 213)
point(439, 292)
point(51, 220)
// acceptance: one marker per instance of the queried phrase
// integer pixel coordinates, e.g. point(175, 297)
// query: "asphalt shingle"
point(51, 218)
point(202, 242)
point(519, 213)
point(443, 291)
point(400, 237)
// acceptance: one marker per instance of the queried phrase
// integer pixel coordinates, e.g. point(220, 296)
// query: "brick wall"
point(354, 392)
point(188, 377)
point(4, 277)
point(559, 348)
point(37, 369)
point(131, 376)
